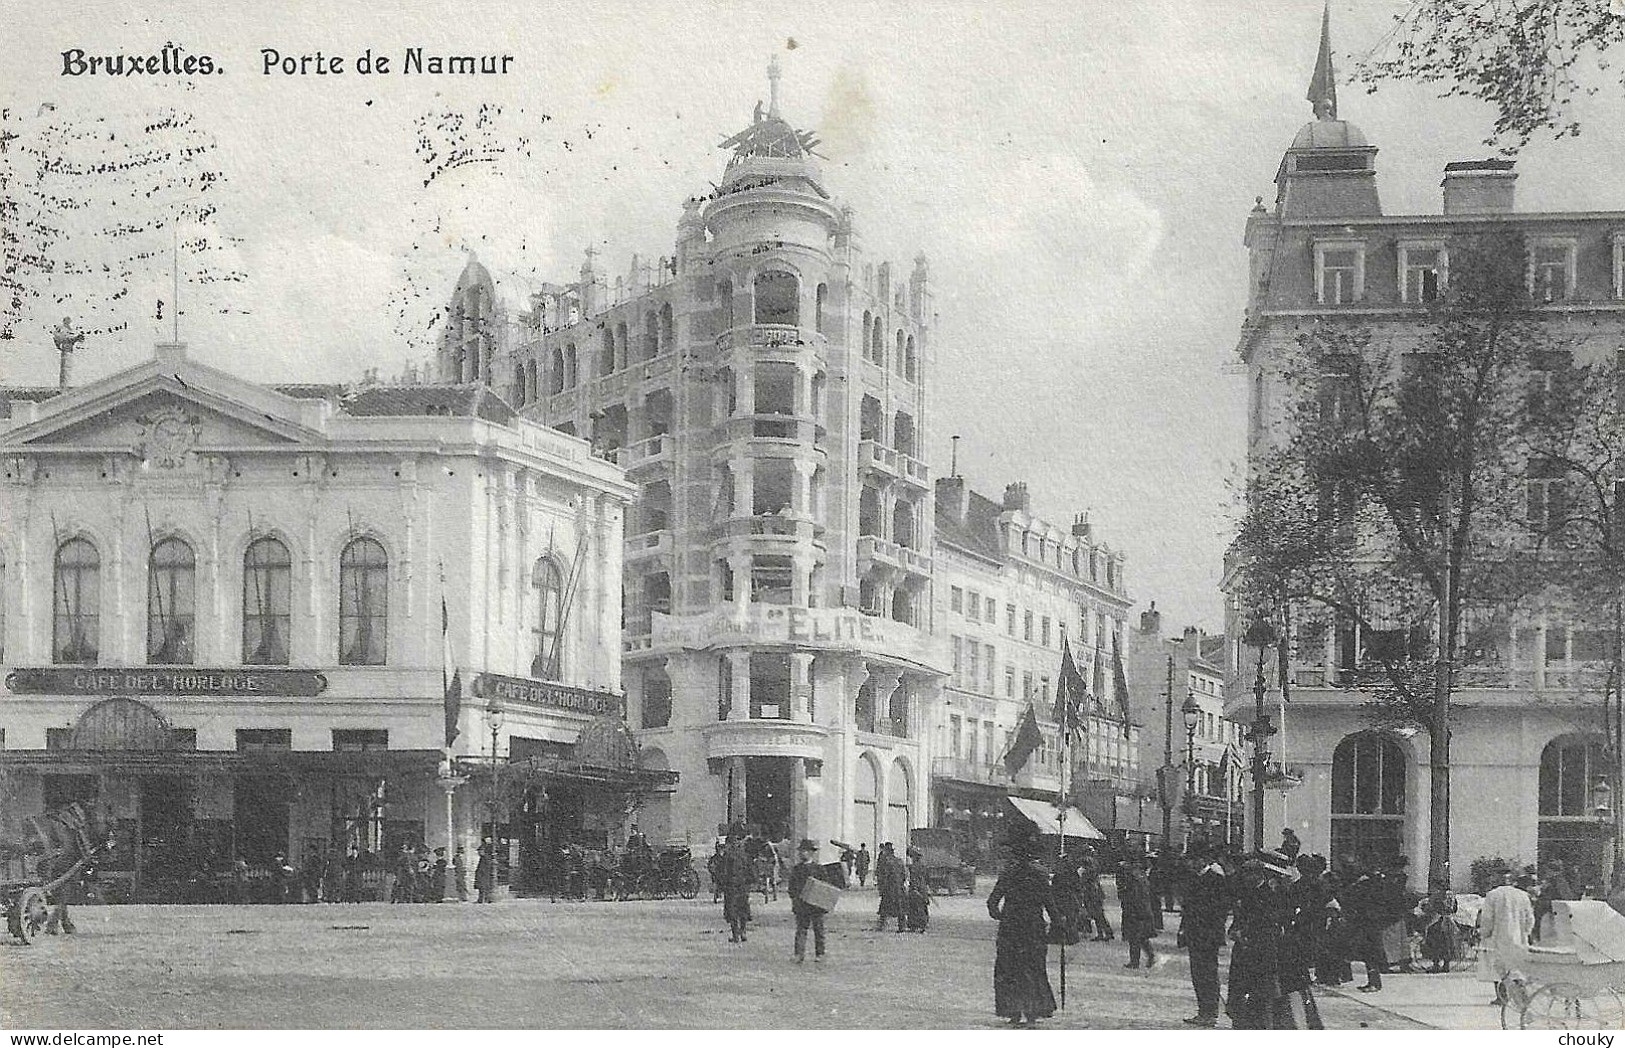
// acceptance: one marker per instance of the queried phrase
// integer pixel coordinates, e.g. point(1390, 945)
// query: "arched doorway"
point(1569, 830)
point(1368, 799)
point(899, 805)
point(866, 803)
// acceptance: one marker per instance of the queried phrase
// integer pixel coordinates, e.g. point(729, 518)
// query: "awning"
point(1047, 818)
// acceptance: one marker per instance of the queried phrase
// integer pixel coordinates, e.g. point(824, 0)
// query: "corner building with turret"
point(765, 388)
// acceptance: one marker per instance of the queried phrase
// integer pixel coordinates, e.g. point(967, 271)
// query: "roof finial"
point(773, 87)
point(1323, 85)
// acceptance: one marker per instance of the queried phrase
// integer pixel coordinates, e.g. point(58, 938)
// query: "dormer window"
point(1423, 271)
point(1551, 270)
point(1339, 272)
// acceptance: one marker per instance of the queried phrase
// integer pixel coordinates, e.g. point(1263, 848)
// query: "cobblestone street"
point(537, 964)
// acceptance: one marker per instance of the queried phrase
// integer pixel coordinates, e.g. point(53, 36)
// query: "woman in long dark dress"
point(1020, 902)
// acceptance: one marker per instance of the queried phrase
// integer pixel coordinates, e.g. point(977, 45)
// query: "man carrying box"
point(811, 897)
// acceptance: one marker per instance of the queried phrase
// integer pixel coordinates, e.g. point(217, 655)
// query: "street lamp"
point(1261, 635)
point(1192, 713)
point(493, 718)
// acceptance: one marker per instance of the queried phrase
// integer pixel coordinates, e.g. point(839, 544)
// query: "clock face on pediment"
point(163, 430)
point(167, 436)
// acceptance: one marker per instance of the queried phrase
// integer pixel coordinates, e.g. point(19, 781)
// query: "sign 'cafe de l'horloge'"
point(221, 620)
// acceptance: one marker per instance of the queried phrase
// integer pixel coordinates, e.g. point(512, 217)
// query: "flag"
point(1323, 85)
point(451, 678)
point(1120, 685)
point(1025, 744)
point(1071, 691)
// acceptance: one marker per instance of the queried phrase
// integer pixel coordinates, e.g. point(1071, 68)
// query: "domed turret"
point(1330, 168)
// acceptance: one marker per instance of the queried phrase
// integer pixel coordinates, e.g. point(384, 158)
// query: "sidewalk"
point(1458, 1001)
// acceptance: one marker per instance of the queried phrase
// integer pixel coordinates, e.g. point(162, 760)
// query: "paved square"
point(534, 964)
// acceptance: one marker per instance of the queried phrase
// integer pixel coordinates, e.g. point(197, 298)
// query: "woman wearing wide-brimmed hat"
point(1020, 902)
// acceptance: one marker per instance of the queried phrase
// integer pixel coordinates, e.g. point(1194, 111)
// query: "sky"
point(1077, 174)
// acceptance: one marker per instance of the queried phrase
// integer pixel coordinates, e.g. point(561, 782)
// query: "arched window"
point(363, 603)
point(778, 298)
point(606, 355)
point(725, 299)
point(171, 585)
point(519, 385)
point(555, 377)
point(668, 331)
point(866, 804)
point(877, 344)
point(78, 597)
point(532, 387)
point(651, 336)
point(899, 805)
point(1368, 799)
point(820, 299)
point(911, 366)
point(1570, 767)
point(620, 346)
point(548, 582)
point(267, 603)
point(571, 374)
point(897, 358)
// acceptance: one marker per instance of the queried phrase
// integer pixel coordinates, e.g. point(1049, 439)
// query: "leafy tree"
point(1528, 59)
point(1391, 507)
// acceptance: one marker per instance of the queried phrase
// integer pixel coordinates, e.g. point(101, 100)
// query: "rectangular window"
point(1010, 619)
point(1422, 272)
point(987, 680)
point(1043, 692)
point(958, 645)
point(1545, 510)
point(1339, 273)
point(360, 740)
point(58, 738)
point(1027, 687)
point(955, 727)
point(185, 738)
point(956, 599)
point(1009, 682)
point(1551, 270)
point(1045, 633)
point(992, 612)
point(1027, 627)
point(973, 663)
point(260, 740)
point(973, 605)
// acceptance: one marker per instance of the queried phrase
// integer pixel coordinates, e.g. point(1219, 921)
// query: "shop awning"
point(368, 763)
point(1046, 817)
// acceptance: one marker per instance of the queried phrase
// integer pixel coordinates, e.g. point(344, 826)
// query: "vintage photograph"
point(825, 516)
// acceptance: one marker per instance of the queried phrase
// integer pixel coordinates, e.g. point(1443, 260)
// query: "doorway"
point(165, 814)
point(767, 795)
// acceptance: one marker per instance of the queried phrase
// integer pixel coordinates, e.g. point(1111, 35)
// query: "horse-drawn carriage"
point(51, 854)
point(648, 874)
point(941, 860)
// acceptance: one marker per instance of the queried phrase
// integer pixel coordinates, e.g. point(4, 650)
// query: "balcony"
point(650, 452)
point(649, 544)
point(612, 387)
point(914, 471)
point(968, 769)
point(875, 457)
point(799, 429)
point(784, 342)
point(763, 737)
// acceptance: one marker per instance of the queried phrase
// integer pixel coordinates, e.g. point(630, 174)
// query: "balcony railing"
point(774, 339)
point(649, 451)
point(1556, 677)
point(969, 769)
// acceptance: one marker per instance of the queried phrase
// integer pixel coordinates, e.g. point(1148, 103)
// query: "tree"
point(1528, 59)
point(1389, 517)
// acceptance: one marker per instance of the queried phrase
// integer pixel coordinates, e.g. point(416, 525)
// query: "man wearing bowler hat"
point(807, 915)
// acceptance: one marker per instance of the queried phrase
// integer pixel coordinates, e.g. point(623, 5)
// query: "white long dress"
point(1504, 925)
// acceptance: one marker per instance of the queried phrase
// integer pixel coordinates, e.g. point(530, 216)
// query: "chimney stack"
point(1082, 529)
point(1016, 497)
point(1151, 620)
point(67, 340)
point(1479, 187)
point(951, 497)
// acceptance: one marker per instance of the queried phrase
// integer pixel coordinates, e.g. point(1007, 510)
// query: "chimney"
point(951, 497)
point(1016, 497)
point(1082, 529)
point(1151, 620)
point(67, 340)
point(1479, 187)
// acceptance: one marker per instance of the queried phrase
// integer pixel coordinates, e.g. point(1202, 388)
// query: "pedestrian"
point(1094, 899)
point(1441, 938)
point(352, 874)
point(891, 879)
point(1365, 904)
point(861, 863)
point(713, 869)
point(1290, 845)
point(406, 876)
point(437, 879)
point(849, 859)
point(459, 873)
point(738, 875)
point(1138, 916)
point(1506, 920)
point(1020, 901)
point(1202, 921)
point(282, 878)
point(1255, 998)
point(917, 901)
point(1555, 887)
point(485, 873)
point(1304, 918)
point(1067, 885)
point(807, 915)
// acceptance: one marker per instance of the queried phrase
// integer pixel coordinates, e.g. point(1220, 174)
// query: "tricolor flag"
point(1120, 686)
point(451, 678)
point(1323, 85)
point(1025, 744)
point(1071, 693)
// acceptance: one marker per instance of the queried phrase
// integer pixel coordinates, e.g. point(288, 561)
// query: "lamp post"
point(1602, 804)
point(493, 719)
point(1192, 713)
point(1259, 635)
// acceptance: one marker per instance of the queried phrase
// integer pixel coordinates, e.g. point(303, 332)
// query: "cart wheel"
point(1565, 1006)
point(690, 886)
point(28, 915)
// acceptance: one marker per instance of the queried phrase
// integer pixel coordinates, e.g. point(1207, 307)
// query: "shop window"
point(77, 616)
point(360, 740)
point(363, 603)
point(1368, 799)
point(171, 580)
point(267, 603)
point(264, 740)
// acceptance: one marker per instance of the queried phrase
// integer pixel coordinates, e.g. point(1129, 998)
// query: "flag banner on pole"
point(1120, 685)
point(1323, 84)
point(451, 678)
point(1071, 692)
point(1025, 744)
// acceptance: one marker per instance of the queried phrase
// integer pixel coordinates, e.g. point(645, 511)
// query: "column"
point(744, 474)
point(739, 673)
point(887, 682)
point(800, 686)
point(801, 491)
point(736, 789)
point(798, 798)
point(801, 579)
point(739, 564)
